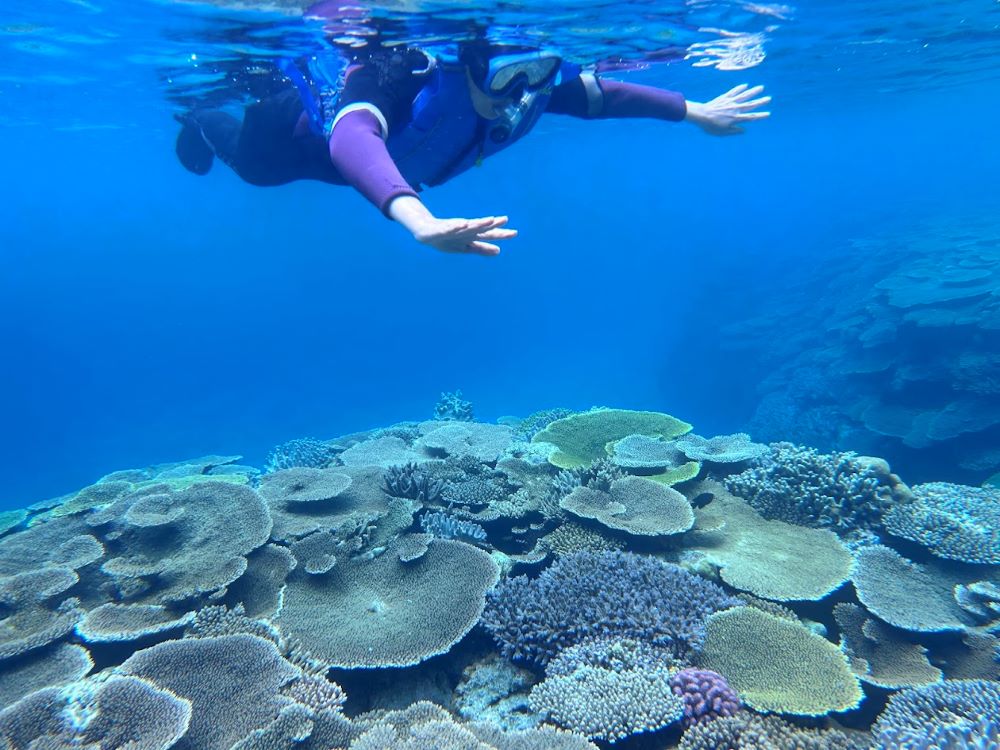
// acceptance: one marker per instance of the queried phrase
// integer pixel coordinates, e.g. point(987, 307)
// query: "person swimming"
point(404, 118)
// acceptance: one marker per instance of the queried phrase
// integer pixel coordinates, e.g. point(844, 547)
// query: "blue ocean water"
point(724, 466)
point(148, 315)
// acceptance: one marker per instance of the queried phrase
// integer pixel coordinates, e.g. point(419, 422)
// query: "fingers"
point(736, 90)
point(744, 92)
point(744, 116)
point(482, 248)
point(497, 234)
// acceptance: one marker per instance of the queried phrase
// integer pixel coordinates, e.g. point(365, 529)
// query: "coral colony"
point(566, 581)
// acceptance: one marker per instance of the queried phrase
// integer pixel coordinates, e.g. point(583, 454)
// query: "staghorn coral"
point(722, 449)
point(608, 705)
point(424, 725)
point(582, 438)
point(52, 667)
point(120, 713)
point(770, 559)
point(842, 491)
point(570, 537)
point(634, 505)
point(748, 731)
point(300, 452)
point(385, 612)
point(615, 654)
point(232, 682)
point(216, 620)
point(583, 595)
point(443, 526)
point(878, 654)
point(129, 622)
point(953, 521)
point(907, 595)
point(951, 714)
point(777, 665)
point(412, 482)
point(451, 406)
point(316, 693)
point(706, 695)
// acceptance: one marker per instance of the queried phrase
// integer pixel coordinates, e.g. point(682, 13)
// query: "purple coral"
point(588, 595)
point(706, 695)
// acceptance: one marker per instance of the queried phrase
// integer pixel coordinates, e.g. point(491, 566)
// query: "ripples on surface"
point(211, 51)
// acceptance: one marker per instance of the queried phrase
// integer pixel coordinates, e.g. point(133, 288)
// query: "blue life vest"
point(445, 135)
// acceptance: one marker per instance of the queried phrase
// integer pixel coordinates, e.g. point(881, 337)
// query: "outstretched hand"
point(476, 236)
point(726, 114)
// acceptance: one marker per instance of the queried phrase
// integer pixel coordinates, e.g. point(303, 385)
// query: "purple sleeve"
point(359, 154)
point(617, 99)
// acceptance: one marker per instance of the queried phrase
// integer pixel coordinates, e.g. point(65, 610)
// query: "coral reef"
point(412, 482)
point(907, 595)
point(306, 453)
point(777, 665)
point(451, 406)
point(583, 438)
point(852, 367)
point(582, 596)
point(747, 731)
point(841, 491)
point(443, 526)
point(770, 559)
point(385, 612)
point(608, 705)
point(303, 485)
point(706, 695)
point(482, 442)
point(955, 713)
point(880, 655)
point(952, 521)
point(52, 667)
point(128, 622)
point(722, 449)
point(232, 684)
point(634, 505)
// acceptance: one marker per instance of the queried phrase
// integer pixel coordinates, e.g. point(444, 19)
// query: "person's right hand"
point(477, 236)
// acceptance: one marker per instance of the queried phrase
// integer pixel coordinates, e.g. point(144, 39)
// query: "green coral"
point(582, 438)
point(779, 666)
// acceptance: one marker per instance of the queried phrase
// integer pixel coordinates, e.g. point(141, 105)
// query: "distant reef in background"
point(891, 347)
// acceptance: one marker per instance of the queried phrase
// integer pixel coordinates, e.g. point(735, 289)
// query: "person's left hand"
point(725, 115)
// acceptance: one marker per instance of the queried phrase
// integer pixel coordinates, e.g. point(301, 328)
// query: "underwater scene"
point(535, 375)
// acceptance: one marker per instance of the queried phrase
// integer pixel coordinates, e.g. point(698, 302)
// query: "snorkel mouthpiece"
point(511, 116)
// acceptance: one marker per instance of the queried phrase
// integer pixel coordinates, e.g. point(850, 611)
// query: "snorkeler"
point(404, 118)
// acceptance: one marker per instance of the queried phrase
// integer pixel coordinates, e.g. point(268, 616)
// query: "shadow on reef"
point(571, 580)
point(888, 347)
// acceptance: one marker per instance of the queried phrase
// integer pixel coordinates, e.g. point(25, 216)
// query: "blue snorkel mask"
point(522, 73)
point(519, 77)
